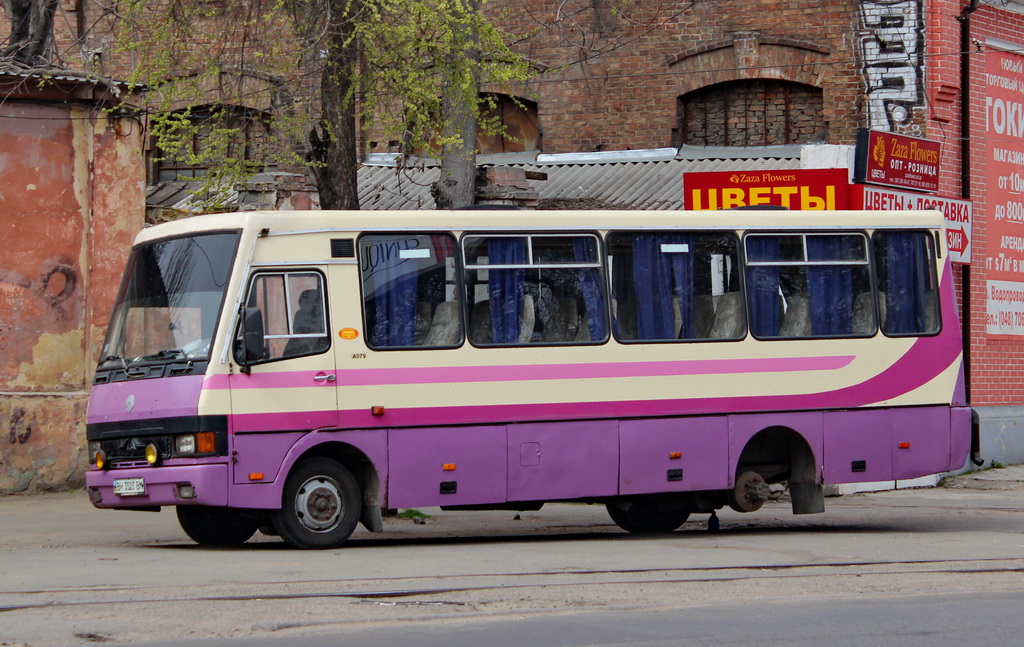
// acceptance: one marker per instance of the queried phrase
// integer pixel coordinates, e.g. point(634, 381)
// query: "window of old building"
point(753, 112)
point(209, 135)
point(516, 122)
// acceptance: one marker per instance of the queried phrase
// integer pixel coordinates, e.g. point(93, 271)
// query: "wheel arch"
point(364, 454)
point(781, 453)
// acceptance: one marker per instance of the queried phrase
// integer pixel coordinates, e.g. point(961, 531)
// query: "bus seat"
point(728, 317)
point(480, 322)
point(624, 315)
point(677, 316)
point(931, 313)
point(583, 334)
point(444, 329)
point(560, 320)
point(528, 320)
point(703, 315)
point(422, 322)
point(864, 315)
point(797, 320)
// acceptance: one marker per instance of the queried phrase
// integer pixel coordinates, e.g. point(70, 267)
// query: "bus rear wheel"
point(648, 515)
point(321, 505)
point(209, 526)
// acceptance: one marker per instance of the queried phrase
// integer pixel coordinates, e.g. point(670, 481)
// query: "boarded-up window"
point(751, 113)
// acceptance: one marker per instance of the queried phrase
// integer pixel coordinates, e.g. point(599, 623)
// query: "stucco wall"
point(71, 200)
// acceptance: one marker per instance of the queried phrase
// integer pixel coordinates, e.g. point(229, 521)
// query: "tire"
point(649, 515)
point(216, 526)
point(321, 505)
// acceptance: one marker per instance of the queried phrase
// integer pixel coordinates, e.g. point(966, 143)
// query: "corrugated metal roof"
point(651, 179)
point(624, 184)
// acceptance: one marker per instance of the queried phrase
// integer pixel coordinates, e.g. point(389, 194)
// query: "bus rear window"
point(809, 285)
point(908, 300)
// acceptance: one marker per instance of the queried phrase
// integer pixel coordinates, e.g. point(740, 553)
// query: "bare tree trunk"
point(456, 186)
point(333, 144)
point(31, 30)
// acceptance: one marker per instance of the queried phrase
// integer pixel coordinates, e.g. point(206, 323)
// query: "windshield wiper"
point(109, 358)
point(164, 354)
point(124, 365)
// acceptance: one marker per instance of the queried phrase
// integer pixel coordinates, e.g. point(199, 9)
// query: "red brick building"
point(70, 204)
point(699, 75)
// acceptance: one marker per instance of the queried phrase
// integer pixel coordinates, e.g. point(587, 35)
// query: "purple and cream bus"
point(303, 372)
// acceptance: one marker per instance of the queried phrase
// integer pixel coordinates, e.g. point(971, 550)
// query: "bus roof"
point(288, 222)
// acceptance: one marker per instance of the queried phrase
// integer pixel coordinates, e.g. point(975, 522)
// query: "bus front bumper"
point(152, 487)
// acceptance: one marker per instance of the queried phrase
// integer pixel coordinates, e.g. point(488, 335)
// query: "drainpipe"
point(965, 193)
point(965, 176)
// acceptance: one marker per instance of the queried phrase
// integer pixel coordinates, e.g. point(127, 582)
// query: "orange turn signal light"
point(675, 455)
point(377, 410)
point(448, 467)
point(206, 442)
point(904, 445)
point(255, 476)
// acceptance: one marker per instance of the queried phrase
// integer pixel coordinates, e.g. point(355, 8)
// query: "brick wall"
point(639, 62)
point(997, 376)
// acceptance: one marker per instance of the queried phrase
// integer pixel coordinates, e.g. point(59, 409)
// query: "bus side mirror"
point(253, 346)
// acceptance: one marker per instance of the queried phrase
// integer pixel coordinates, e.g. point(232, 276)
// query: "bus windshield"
point(171, 298)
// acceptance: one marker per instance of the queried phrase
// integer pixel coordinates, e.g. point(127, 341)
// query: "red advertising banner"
point(1004, 184)
point(799, 189)
point(896, 160)
point(959, 213)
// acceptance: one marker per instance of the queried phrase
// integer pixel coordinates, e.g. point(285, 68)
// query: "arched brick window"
point(518, 117)
point(756, 112)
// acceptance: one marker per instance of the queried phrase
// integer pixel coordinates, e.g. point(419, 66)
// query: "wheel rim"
point(319, 504)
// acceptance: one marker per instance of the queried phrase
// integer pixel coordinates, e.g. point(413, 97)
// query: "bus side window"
point(294, 313)
point(809, 285)
point(669, 286)
point(907, 285)
point(534, 289)
point(409, 291)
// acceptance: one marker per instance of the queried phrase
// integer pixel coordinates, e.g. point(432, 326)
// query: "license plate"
point(130, 487)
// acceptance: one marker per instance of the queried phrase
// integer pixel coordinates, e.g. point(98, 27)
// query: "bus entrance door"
point(292, 389)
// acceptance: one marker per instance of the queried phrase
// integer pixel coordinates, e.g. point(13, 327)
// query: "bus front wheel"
point(321, 505)
point(216, 526)
point(648, 515)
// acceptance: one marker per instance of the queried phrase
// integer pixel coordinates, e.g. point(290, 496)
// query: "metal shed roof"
point(650, 179)
point(641, 179)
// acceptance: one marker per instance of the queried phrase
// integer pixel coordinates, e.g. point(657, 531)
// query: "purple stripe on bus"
point(927, 358)
point(145, 399)
point(532, 372)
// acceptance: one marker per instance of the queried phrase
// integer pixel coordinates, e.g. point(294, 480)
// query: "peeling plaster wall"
point(71, 200)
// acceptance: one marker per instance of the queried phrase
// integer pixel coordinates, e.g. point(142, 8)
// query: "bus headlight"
point(94, 449)
point(185, 444)
point(204, 442)
point(152, 454)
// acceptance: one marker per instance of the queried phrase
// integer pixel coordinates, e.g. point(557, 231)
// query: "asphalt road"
point(931, 566)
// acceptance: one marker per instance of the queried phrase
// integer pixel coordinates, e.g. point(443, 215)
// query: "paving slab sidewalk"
point(1001, 478)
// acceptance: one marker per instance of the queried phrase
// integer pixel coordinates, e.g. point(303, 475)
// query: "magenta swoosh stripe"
point(928, 357)
point(531, 372)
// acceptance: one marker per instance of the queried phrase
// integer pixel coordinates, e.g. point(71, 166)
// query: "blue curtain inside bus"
point(831, 287)
point(585, 251)
point(395, 306)
point(908, 279)
point(506, 287)
point(657, 277)
point(763, 286)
